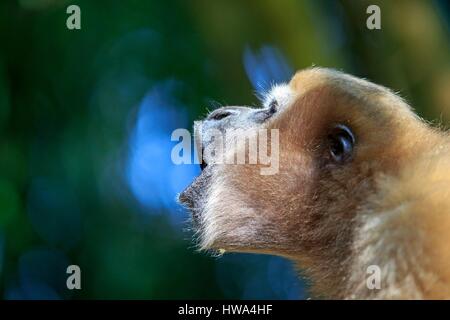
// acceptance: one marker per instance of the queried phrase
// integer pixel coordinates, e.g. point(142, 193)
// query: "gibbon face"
point(338, 135)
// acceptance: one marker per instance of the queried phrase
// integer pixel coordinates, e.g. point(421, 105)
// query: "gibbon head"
point(336, 136)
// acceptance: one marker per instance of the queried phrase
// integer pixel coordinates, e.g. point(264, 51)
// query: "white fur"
point(282, 93)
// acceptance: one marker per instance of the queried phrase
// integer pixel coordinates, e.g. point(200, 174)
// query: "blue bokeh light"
point(41, 275)
point(266, 68)
point(152, 176)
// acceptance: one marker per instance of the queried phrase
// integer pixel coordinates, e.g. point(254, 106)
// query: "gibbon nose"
point(223, 113)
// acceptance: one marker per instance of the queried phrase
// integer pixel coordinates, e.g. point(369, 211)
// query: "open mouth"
point(203, 165)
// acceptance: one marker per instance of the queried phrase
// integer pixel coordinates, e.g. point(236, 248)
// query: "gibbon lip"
point(194, 196)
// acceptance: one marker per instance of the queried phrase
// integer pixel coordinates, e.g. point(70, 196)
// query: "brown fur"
point(388, 207)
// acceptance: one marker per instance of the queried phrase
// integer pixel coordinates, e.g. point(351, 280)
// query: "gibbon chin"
point(362, 181)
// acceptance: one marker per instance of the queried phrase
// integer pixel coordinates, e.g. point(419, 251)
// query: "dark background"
point(86, 117)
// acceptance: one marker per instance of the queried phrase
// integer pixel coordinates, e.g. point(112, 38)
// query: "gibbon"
point(362, 181)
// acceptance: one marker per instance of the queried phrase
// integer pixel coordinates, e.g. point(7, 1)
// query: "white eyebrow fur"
point(282, 93)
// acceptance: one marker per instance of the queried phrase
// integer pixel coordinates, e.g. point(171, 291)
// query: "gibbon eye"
point(219, 114)
point(341, 143)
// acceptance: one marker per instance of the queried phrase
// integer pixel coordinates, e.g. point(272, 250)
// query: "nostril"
point(219, 114)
